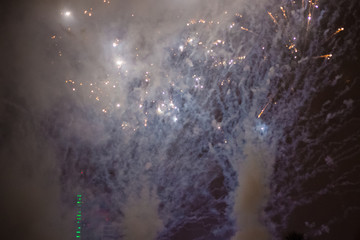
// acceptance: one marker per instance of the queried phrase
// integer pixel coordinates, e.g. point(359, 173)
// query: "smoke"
point(29, 181)
point(141, 218)
point(37, 106)
point(251, 194)
point(31, 192)
point(179, 129)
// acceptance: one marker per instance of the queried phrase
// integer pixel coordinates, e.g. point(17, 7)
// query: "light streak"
point(284, 13)
point(245, 29)
point(327, 56)
point(262, 111)
point(336, 32)
point(308, 21)
point(272, 17)
point(339, 30)
point(311, 9)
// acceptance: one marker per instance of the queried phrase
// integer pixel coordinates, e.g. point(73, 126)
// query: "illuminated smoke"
point(182, 119)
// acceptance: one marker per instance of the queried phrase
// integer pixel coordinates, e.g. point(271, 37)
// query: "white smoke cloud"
point(252, 192)
point(141, 218)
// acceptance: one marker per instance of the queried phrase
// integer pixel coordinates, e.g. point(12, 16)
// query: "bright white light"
point(175, 119)
point(261, 128)
point(116, 42)
point(181, 48)
point(67, 13)
point(119, 63)
point(159, 111)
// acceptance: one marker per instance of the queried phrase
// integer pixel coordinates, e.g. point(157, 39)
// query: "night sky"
point(180, 119)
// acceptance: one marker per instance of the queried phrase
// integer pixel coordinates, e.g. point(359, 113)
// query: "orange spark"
point(284, 13)
point(327, 56)
point(337, 31)
point(262, 111)
point(245, 29)
point(272, 17)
